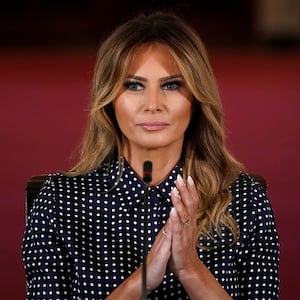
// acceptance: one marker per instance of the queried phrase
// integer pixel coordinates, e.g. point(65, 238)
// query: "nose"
point(153, 100)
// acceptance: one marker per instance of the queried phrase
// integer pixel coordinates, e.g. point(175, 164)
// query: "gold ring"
point(186, 223)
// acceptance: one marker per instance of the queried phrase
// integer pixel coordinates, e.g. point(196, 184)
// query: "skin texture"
point(153, 112)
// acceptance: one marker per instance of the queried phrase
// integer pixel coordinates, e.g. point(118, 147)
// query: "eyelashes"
point(133, 85)
point(172, 84)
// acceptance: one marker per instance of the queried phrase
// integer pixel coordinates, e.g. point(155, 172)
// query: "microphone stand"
point(147, 177)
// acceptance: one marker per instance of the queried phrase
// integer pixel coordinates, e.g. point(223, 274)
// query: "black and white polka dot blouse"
point(85, 236)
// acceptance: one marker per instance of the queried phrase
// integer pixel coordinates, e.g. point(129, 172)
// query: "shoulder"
point(60, 191)
point(60, 183)
point(250, 204)
point(246, 183)
point(247, 188)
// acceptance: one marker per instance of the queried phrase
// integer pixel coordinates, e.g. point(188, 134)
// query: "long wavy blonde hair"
point(204, 154)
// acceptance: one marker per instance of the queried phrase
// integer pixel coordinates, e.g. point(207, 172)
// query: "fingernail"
point(173, 211)
point(180, 180)
point(190, 180)
point(175, 192)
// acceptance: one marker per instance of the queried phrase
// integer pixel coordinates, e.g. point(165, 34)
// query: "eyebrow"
point(140, 78)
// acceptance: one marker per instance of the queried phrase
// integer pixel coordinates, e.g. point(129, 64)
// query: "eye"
point(133, 85)
point(172, 85)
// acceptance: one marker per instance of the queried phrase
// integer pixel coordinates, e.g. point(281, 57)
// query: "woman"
point(211, 230)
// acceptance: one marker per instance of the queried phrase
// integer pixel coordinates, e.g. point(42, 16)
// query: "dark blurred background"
point(54, 23)
point(47, 53)
point(80, 22)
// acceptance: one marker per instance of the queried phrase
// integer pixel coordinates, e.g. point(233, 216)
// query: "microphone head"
point(147, 171)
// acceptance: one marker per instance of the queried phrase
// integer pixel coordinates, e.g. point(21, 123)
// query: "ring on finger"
point(186, 223)
point(164, 232)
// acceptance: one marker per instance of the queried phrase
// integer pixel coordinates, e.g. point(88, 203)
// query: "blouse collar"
point(129, 183)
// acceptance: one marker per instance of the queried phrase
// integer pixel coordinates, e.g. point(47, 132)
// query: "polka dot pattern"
point(85, 235)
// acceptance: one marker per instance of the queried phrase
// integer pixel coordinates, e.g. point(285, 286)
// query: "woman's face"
point(154, 107)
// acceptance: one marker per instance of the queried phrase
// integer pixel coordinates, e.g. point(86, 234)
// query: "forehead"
point(153, 55)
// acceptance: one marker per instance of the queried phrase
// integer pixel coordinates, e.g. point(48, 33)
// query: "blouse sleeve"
point(258, 254)
point(47, 261)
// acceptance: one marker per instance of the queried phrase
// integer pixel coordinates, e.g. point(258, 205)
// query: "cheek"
point(120, 108)
point(185, 110)
point(184, 116)
point(124, 105)
point(124, 114)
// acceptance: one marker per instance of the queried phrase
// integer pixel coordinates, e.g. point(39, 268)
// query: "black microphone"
point(147, 171)
point(147, 178)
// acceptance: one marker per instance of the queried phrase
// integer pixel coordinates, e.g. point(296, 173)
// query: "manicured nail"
point(180, 180)
point(175, 192)
point(173, 211)
point(190, 180)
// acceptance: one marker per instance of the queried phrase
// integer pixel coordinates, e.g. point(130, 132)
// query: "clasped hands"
point(174, 246)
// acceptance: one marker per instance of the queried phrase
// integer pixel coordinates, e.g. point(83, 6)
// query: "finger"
point(157, 259)
point(175, 223)
point(163, 240)
point(192, 189)
point(188, 195)
point(165, 233)
point(178, 204)
point(178, 239)
point(195, 194)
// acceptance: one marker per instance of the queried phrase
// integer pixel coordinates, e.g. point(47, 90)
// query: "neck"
point(162, 163)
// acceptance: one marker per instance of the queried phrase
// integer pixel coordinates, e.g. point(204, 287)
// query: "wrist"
point(130, 288)
point(191, 272)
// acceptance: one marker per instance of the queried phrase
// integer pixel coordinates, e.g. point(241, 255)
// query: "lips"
point(152, 126)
